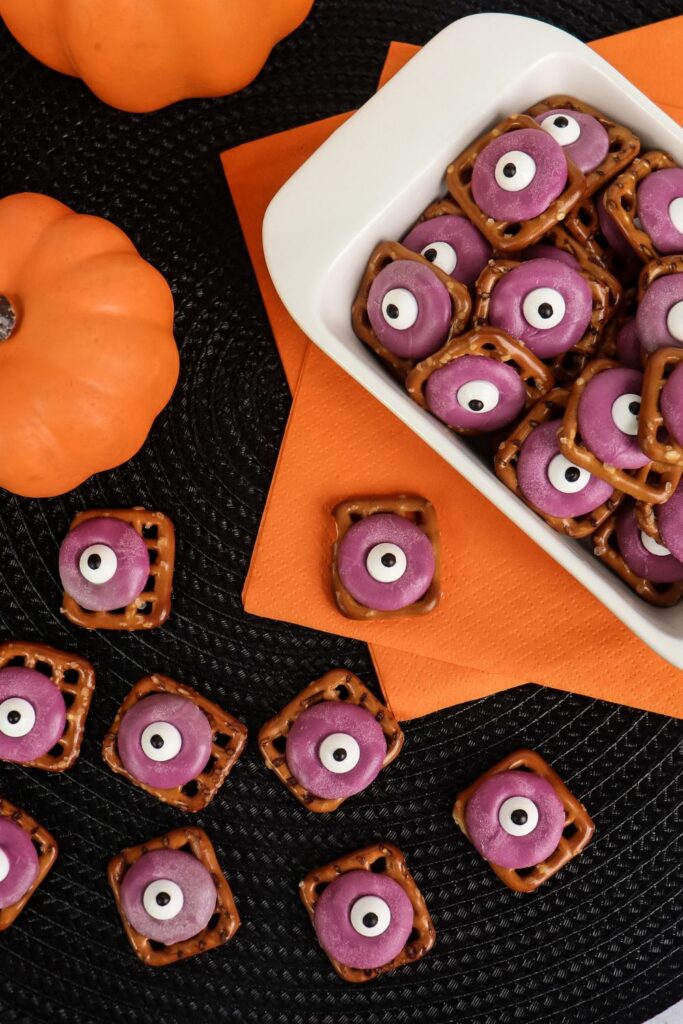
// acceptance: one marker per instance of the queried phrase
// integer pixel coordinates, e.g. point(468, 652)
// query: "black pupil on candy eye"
point(519, 817)
point(476, 404)
point(561, 121)
point(545, 310)
point(430, 254)
point(339, 754)
point(572, 474)
point(634, 408)
point(157, 741)
point(393, 311)
point(94, 561)
point(13, 717)
point(163, 899)
point(509, 170)
point(370, 920)
point(388, 560)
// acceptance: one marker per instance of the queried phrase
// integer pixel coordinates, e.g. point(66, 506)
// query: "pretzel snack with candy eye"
point(642, 562)
point(27, 853)
point(445, 237)
point(646, 204)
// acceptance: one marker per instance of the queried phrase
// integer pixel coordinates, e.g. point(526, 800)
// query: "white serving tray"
point(373, 177)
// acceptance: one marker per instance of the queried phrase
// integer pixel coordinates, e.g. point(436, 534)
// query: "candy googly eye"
point(479, 396)
point(625, 413)
point(515, 171)
point(339, 753)
point(400, 308)
point(544, 308)
point(674, 321)
point(564, 128)
point(653, 546)
point(518, 815)
point(675, 212)
point(370, 916)
point(386, 562)
point(17, 717)
point(442, 255)
point(161, 741)
point(163, 900)
point(566, 477)
point(98, 564)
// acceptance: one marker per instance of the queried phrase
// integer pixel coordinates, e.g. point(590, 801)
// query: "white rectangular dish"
point(371, 180)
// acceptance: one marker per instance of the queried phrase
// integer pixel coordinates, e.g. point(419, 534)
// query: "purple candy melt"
point(655, 195)
point(656, 568)
point(434, 309)
point(596, 423)
point(488, 835)
point(198, 893)
point(49, 709)
point(358, 542)
point(549, 252)
point(132, 568)
point(540, 447)
point(313, 727)
point(507, 301)
point(469, 247)
point(653, 311)
point(338, 937)
point(196, 738)
point(669, 518)
point(446, 401)
point(672, 404)
point(628, 345)
point(22, 862)
point(592, 145)
point(547, 184)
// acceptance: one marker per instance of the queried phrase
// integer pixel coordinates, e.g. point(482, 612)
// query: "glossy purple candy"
point(659, 318)
point(164, 741)
point(409, 309)
point(32, 714)
point(515, 819)
point(18, 863)
point(551, 482)
point(168, 896)
point(581, 136)
point(608, 417)
point(385, 562)
point(671, 402)
point(643, 555)
point(660, 209)
point(363, 919)
point(518, 175)
point(669, 518)
point(628, 345)
point(549, 252)
point(543, 303)
point(103, 564)
point(475, 393)
point(453, 244)
point(335, 750)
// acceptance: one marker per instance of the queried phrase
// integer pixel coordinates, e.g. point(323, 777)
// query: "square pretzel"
point(339, 684)
point(384, 254)
point(652, 434)
point(224, 922)
point(381, 858)
point(621, 201)
point(152, 607)
point(489, 343)
point(510, 236)
point(228, 739)
point(583, 224)
point(505, 465)
point(45, 846)
point(74, 677)
point(606, 548)
point(410, 506)
point(655, 482)
point(628, 306)
point(624, 146)
point(561, 239)
point(661, 266)
point(576, 818)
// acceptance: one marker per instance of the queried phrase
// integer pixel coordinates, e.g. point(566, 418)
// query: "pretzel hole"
point(626, 203)
point(38, 846)
point(512, 229)
point(17, 661)
point(379, 866)
point(209, 766)
point(615, 145)
point(156, 946)
point(69, 697)
point(150, 584)
point(115, 611)
point(58, 748)
point(569, 830)
point(44, 668)
point(221, 739)
point(413, 937)
point(489, 346)
point(150, 532)
point(72, 676)
point(320, 888)
point(343, 692)
point(465, 173)
point(525, 872)
point(584, 215)
point(191, 788)
point(153, 555)
point(213, 921)
point(146, 608)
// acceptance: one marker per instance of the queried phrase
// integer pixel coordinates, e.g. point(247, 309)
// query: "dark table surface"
point(598, 944)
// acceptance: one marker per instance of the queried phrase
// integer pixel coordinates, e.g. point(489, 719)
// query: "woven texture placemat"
point(598, 944)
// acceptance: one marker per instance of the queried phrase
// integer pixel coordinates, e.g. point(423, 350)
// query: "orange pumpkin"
point(140, 55)
point(87, 354)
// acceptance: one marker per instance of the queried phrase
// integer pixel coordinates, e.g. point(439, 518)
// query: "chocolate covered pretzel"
point(479, 382)
point(174, 743)
point(641, 561)
point(116, 567)
point(367, 912)
point(27, 853)
point(522, 819)
point(386, 557)
point(407, 306)
point(331, 741)
point(646, 203)
point(173, 899)
point(45, 697)
point(515, 183)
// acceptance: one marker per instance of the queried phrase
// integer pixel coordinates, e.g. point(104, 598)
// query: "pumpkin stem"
point(8, 318)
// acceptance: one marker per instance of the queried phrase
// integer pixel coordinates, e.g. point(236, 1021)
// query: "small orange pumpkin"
point(87, 354)
point(140, 55)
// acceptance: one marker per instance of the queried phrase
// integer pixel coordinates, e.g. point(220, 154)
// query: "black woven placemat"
point(597, 945)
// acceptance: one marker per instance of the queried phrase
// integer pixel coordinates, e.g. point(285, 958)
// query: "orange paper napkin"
point(509, 612)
